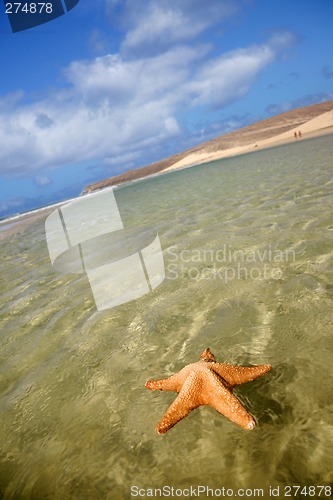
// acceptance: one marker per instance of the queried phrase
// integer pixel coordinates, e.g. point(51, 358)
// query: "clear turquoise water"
point(248, 251)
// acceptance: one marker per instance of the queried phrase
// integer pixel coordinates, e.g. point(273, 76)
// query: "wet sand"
point(18, 224)
point(318, 126)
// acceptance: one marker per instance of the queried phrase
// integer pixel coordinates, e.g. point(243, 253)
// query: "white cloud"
point(97, 41)
point(151, 26)
point(10, 100)
point(12, 204)
point(306, 100)
point(113, 106)
point(159, 27)
point(117, 106)
point(230, 76)
point(42, 180)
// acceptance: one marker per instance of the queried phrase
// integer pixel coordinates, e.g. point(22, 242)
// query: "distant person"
point(299, 134)
point(295, 135)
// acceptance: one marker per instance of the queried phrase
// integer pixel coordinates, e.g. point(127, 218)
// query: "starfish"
point(207, 383)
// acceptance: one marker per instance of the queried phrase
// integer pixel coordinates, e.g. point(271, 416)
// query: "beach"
point(18, 224)
point(247, 248)
point(311, 121)
point(319, 126)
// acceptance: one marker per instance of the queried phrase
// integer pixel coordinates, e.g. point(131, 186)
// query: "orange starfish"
point(207, 383)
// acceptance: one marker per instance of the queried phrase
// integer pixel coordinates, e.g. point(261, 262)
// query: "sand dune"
point(310, 120)
point(322, 124)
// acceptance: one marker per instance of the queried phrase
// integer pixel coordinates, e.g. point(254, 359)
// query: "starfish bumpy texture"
point(207, 383)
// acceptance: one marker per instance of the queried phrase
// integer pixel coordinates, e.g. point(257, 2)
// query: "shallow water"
point(248, 253)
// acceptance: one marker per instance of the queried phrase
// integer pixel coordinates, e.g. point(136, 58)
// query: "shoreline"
point(264, 133)
point(20, 222)
point(319, 126)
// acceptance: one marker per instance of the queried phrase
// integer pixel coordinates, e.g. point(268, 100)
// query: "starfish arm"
point(226, 403)
point(173, 383)
point(236, 375)
point(186, 401)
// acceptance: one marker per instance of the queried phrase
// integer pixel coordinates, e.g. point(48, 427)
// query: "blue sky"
point(118, 84)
